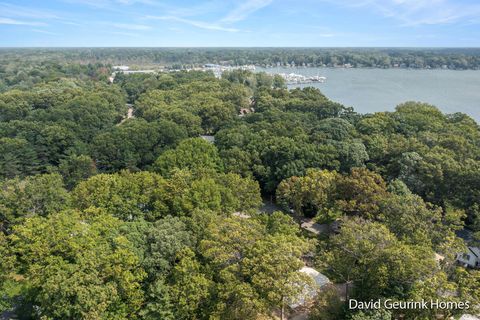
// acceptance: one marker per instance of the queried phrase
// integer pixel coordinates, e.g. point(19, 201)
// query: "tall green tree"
point(190, 288)
point(128, 196)
point(165, 239)
point(39, 195)
point(76, 264)
point(158, 304)
point(367, 255)
point(76, 168)
point(193, 154)
point(311, 194)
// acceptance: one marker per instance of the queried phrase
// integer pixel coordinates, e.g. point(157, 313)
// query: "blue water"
point(372, 90)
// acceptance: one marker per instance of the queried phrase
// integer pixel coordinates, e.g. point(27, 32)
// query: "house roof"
point(470, 257)
point(319, 278)
point(309, 292)
point(208, 138)
point(316, 228)
point(475, 251)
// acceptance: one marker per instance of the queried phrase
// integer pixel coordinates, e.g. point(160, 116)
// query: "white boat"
point(293, 78)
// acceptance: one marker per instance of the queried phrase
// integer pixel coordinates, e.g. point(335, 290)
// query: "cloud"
point(11, 10)
point(418, 12)
point(326, 35)
point(45, 32)
point(195, 23)
point(71, 23)
point(111, 3)
point(245, 9)
point(91, 3)
point(127, 26)
point(128, 34)
point(206, 7)
point(238, 13)
point(20, 22)
point(129, 2)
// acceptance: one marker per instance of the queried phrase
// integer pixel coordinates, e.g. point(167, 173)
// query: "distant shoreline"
point(368, 68)
point(188, 57)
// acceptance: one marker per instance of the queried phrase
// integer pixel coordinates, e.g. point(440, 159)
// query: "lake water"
point(372, 90)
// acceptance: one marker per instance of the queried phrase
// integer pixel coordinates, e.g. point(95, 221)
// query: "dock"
point(293, 78)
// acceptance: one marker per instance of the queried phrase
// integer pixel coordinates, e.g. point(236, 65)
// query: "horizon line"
point(239, 47)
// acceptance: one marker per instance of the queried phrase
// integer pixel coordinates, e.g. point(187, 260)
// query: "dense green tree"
point(135, 144)
point(311, 194)
point(14, 105)
point(370, 257)
point(360, 192)
point(328, 305)
point(9, 288)
point(284, 254)
point(195, 154)
point(191, 122)
point(229, 239)
point(128, 196)
point(76, 168)
point(372, 315)
point(76, 264)
point(414, 116)
point(433, 153)
point(352, 154)
point(246, 257)
point(237, 161)
point(211, 100)
point(145, 195)
point(158, 302)
point(17, 158)
point(435, 287)
point(165, 239)
point(279, 223)
point(335, 129)
point(48, 143)
point(468, 284)
point(225, 246)
point(38, 195)
point(218, 192)
point(190, 288)
point(414, 221)
point(89, 114)
point(136, 232)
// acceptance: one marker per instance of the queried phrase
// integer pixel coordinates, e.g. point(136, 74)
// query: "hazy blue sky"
point(412, 23)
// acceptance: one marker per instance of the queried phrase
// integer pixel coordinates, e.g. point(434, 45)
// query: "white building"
point(309, 291)
point(471, 258)
point(121, 68)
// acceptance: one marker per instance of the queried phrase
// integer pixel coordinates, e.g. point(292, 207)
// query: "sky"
point(240, 23)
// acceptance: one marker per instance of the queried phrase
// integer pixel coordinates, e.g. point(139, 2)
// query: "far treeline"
point(108, 217)
point(418, 58)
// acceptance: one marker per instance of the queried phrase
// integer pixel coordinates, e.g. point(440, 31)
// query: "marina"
point(218, 70)
point(294, 78)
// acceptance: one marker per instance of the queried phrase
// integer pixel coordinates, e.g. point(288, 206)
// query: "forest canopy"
point(190, 207)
